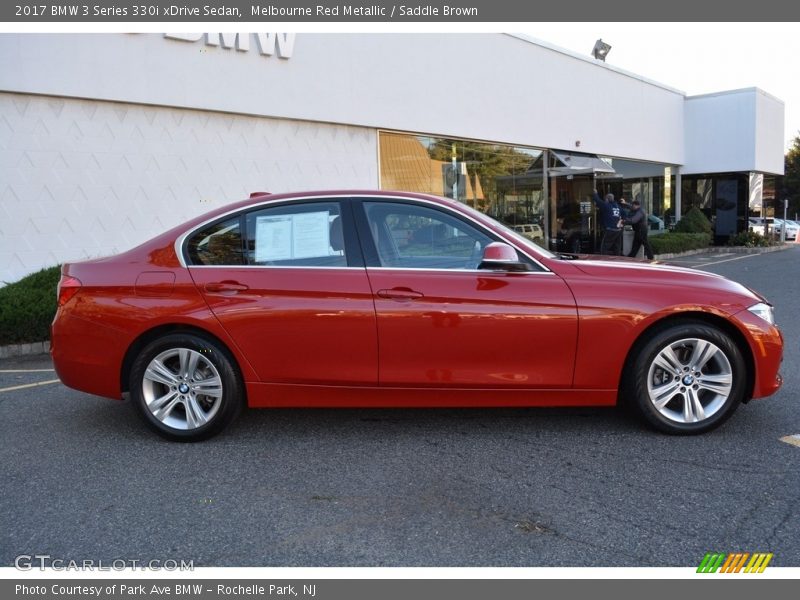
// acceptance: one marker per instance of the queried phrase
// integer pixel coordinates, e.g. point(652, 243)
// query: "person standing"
point(610, 217)
point(637, 219)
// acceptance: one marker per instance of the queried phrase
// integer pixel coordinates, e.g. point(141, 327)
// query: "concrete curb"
point(24, 349)
point(724, 250)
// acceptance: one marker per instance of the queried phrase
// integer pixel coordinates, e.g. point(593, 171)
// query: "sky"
point(697, 58)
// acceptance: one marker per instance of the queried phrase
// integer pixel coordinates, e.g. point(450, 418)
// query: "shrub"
point(749, 239)
point(673, 242)
point(694, 221)
point(27, 307)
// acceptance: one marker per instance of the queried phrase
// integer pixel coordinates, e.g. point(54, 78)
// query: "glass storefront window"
point(545, 196)
point(503, 181)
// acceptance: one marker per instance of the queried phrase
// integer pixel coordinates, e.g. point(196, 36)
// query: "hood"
point(659, 275)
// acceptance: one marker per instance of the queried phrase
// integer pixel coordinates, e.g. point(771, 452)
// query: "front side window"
point(412, 236)
point(217, 244)
point(295, 235)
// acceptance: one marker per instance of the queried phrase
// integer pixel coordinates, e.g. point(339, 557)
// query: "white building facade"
point(108, 139)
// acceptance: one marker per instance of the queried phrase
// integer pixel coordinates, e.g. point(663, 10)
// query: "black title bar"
point(452, 11)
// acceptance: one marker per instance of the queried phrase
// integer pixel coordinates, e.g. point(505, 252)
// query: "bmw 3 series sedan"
point(394, 299)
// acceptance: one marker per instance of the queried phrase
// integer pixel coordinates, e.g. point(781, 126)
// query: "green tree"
point(791, 179)
point(488, 161)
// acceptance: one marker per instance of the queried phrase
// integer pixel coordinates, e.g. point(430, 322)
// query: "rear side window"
point(217, 244)
point(296, 235)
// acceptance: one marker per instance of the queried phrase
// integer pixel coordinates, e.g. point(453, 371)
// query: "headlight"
point(764, 311)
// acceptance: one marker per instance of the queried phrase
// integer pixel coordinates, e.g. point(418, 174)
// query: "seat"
point(336, 233)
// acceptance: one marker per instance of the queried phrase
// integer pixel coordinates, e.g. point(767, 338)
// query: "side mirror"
point(498, 256)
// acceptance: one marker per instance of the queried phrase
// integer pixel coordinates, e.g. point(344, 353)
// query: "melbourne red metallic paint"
point(287, 320)
point(475, 329)
point(270, 395)
point(92, 333)
point(326, 337)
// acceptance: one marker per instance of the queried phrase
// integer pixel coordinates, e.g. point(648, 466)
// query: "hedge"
point(749, 239)
point(27, 307)
point(694, 221)
point(673, 242)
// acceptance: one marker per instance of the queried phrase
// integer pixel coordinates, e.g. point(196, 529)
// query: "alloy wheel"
point(182, 388)
point(689, 380)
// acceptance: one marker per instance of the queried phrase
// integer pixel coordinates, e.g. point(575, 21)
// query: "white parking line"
point(794, 440)
point(27, 370)
point(727, 260)
point(720, 255)
point(29, 385)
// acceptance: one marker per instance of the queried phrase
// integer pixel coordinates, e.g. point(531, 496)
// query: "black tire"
point(186, 388)
point(689, 398)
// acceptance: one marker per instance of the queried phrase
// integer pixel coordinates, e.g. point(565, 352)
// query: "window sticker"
point(310, 234)
point(273, 238)
point(287, 237)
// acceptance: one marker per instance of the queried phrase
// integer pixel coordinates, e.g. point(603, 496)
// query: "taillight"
point(67, 288)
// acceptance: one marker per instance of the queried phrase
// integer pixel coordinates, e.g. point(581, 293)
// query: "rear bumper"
point(87, 355)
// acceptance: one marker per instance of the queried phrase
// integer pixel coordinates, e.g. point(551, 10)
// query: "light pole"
point(783, 229)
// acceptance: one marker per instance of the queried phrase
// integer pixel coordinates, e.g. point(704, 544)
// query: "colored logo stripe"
point(758, 563)
point(733, 562)
point(711, 562)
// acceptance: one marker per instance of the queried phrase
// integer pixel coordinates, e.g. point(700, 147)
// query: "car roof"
point(260, 198)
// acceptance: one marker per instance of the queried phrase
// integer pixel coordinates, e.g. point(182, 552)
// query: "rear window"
point(217, 244)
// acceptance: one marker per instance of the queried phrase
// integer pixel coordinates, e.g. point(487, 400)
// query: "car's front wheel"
point(687, 379)
point(185, 387)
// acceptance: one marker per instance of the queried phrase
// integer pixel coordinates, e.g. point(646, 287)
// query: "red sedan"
point(387, 299)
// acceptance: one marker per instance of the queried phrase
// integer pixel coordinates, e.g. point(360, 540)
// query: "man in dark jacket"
point(610, 218)
point(637, 219)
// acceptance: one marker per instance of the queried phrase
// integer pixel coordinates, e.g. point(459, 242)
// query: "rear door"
point(288, 283)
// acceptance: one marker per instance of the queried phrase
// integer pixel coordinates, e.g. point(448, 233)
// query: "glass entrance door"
point(575, 228)
point(573, 225)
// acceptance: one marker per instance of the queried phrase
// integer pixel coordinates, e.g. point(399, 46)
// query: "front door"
point(442, 322)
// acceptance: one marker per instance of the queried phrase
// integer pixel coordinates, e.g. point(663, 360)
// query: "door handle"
point(400, 293)
point(230, 287)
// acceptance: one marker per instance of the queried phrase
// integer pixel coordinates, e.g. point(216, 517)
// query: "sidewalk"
point(728, 250)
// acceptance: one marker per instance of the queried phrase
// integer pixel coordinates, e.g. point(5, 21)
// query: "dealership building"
point(109, 139)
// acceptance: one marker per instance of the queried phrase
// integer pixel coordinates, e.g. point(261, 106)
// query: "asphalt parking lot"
point(83, 479)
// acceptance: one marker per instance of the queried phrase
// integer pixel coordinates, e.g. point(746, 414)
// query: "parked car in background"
point(389, 299)
point(790, 227)
point(796, 224)
point(655, 225)
point(532, 231)
point(759, 224)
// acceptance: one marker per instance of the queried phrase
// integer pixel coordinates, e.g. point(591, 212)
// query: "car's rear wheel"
point(185, 387)
point(687, 379)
